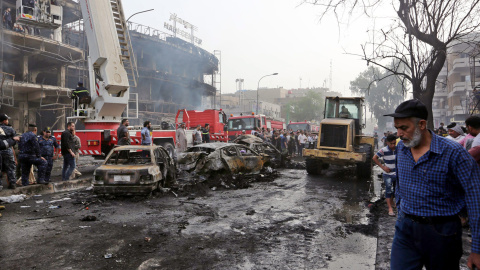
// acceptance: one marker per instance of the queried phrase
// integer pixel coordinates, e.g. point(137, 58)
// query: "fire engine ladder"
point(6, 89)
point(128, 57)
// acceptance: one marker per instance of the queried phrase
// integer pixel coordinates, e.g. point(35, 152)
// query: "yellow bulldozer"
point(340, 140)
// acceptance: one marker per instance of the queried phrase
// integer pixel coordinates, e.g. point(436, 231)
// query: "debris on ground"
point(108, 256)
point(89, 218)
point(54, 206)
point(60, 200)
point(250, 212)
point(14, 198)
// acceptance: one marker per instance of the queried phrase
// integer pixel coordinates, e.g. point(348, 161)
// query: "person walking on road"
point(30, 155)
point(181, 138)
point(388, 153)
point(436, 179)
point(49, 150)
point(77, 144)
point(67, 147)
point(197, 135)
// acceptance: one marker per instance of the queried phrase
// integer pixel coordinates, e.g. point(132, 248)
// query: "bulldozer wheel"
point(364, 169)
point(313, 166)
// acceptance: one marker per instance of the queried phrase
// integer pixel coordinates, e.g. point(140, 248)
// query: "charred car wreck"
point(131, 170)
point(276, 158)
point(226, 158)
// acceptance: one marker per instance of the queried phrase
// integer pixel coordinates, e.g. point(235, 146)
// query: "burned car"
point(277, 158)
point(221, 157)
point(134, 169)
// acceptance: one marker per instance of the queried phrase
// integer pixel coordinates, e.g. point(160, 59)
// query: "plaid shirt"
point(440, 183)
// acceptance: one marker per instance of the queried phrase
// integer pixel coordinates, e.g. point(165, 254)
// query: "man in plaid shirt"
point(436, 179)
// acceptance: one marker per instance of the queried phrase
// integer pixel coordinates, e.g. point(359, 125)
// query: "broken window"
point(127, 157)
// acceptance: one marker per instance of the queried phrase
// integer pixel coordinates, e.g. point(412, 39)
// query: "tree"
point(419, 38)
point(310, 107)
point(381, 96)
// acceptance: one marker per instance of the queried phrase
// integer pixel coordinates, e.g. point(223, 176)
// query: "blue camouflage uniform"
point(30, 155)
point(8, 160)
point(46, 151)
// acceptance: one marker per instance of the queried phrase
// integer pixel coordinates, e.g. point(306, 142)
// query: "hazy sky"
point(259, 37)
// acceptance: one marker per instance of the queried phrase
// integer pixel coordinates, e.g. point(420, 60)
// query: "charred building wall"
point(38, 71)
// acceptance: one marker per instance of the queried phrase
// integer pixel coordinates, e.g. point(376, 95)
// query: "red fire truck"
point(309, 127)
point(216, 119)
point(110, 86)
point(250, 122)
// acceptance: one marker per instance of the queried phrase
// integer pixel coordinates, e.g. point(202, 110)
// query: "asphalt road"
point(295, 222)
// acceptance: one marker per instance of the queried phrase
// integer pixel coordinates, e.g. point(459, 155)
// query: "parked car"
point(221, 157)
point(134, 169)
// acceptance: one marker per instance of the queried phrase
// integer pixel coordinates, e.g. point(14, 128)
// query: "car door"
point(231, 159)
point(252, 162)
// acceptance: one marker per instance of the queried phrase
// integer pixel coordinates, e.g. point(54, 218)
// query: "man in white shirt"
point(302, 139)
point(455, 132)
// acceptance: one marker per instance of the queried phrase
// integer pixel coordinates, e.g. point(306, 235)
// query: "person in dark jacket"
point(49, 149)
point(30, 155)
point(67, 145)
point(7, 143)
point(9, 159)
point(79, 93)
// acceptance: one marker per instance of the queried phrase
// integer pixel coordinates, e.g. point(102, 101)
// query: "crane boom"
point(109, 85)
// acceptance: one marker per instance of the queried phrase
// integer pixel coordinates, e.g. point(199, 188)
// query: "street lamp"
point(258, 86)
point(139, 13)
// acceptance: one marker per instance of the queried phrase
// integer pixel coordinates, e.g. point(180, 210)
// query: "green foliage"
point(383, 92)
point(310, 107)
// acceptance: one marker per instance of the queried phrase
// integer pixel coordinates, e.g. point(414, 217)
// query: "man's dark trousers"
point(436, 245)
point(27, 162)
point(48, 170)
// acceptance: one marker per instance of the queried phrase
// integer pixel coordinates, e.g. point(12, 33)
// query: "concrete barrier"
point(53, 187)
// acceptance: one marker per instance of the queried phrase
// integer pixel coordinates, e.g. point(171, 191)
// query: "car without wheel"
point(134, 170)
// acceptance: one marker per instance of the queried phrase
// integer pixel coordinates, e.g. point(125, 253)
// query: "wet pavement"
point(295, 222)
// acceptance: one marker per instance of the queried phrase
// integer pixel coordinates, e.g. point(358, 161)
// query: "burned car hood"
point(247, 139)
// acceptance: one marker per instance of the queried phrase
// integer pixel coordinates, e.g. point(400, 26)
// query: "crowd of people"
point(19, 153)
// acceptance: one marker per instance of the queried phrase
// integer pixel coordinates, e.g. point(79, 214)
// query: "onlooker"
point(77, 144)
point(302, 141)
point(388, 153)
point(206, 133)
point(9, 160)
point(197, 135)
point(455, 132)
point(384, 139)
point(181, 138)
point(146, 137)
point(30, 155)
point(436, 178)
point(67, 145)
point(7, 19)
point(291, 144)
point(6, 144)
point(122, 133)
point(49, 150)
point(473, 127)
point(283, 142)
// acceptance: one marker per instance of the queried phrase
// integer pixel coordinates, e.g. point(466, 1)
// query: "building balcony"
point(460, 65)
point(459, 89)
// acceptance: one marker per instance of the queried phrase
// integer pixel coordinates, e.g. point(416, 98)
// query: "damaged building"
point(40, 63)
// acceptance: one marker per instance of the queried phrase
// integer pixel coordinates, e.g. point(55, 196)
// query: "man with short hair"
point(436, 179)
point(122, 133)
point(206, 133)
point(455, 132)
point(146, 138)
point(181, 138)
point(67, 147)
point(30, 155)
point(473, 128)
point(197, 135)
point(9, 160)
point(49, 150)
point(388, 153)
point(302, 141)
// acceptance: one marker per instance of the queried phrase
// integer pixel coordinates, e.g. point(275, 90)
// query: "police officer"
point(49, 150)
point(30, 155)
point(206, 133)
point(6, 144)
point(8, 156)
